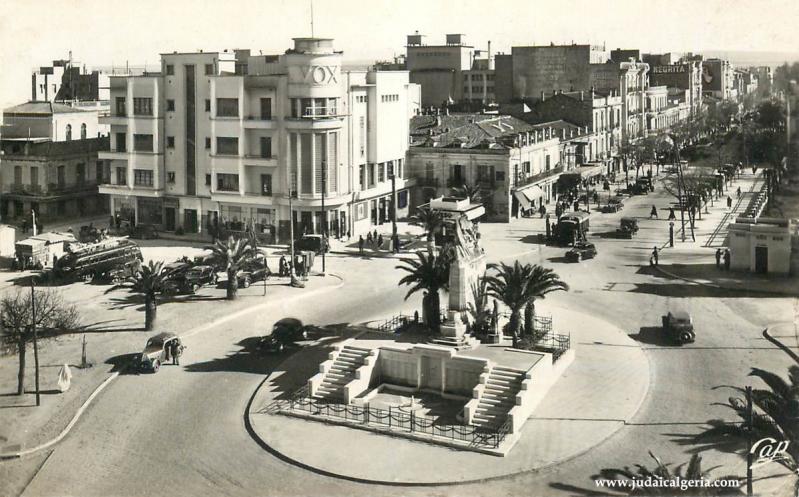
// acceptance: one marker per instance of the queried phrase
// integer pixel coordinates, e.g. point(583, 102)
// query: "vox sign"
point(320, 75)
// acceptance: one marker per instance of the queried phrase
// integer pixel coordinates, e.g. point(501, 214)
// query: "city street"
point(183, 431)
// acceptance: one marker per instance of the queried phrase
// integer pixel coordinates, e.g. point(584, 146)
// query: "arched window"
point(83, 131)
point(69, 132)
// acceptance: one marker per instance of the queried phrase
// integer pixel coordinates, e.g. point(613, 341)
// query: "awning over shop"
point(529, 195)
point(591, 170)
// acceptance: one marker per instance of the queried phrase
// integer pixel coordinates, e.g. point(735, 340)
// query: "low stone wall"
point(538, 380)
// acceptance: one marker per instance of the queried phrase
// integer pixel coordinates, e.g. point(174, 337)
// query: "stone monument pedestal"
point(453, 332)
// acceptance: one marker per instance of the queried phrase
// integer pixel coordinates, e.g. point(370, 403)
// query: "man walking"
point(368, 237)
point(653, 213)
point(655, 256)
point(379, 242)
point(729, 202)
point(738, 192)
point(718, 258)
point(727, 259)
point(360, 244)
point(672, 217)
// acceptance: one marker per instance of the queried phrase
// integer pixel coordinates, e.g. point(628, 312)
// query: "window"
point(266, 185)
point(526, 167)
point(34, 176)
point(499, 175)
point(142, 177)
point(143, 143)
point(121, 142)
point(209, 69)
point(227, 182)
point(399, 168)
point(547, 163)
point(122, 176)
point(266, 146)
point(69, 132)
point(381, 172)
point(170, 177)
point(207, 105)
point(371, 175)
point(99, 172)
point(80, 173)
point(170, 142)
point(361, 175)
point(207, 180)
point(227, 107)
point(207, 143)
point(227, 145)
point(266, 108)
point(170, 105)
point(83, 131)
point(485, 174)
point(121, 111)
point(142, 106)
point(170, 70)
point(402, 199)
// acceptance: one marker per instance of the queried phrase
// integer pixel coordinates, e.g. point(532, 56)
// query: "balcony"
point(257, 122)
point(321, 113)
point(259, 160)
point(522, 181)
point(113, 119)
point(429, 182)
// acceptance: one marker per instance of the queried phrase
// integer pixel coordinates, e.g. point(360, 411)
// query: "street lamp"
point(671, 234)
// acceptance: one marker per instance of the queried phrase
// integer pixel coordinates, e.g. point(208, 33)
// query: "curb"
point(113, 376)
point(773, 293)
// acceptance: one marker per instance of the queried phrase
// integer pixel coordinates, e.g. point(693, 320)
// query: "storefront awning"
point(591, 170)
point(530, 195)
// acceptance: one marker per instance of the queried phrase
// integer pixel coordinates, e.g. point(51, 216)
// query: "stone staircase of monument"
point(342, 371)
point(498, 397)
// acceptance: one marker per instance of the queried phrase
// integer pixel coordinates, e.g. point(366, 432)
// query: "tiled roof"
point(483, 131)
point(44, 108)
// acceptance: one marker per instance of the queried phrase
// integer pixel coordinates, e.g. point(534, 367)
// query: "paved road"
point(182, 431)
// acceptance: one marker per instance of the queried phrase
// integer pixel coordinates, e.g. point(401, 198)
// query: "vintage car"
point(679, 327)
point(144, 232)
point(580, 251)
point(122, 272)
point(628, 227)
point(285, 334)
point(190, 280)
point(613, 205)
point(315, 243)
point(642, 186)
point(254, 270)
point(158, 351)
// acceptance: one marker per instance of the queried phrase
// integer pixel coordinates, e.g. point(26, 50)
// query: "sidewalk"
point(695, 261)
point(114, 335)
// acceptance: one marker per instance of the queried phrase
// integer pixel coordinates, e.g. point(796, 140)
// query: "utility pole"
point(749, 441)
point(680, 192)
point(292, 275)
point(393, 204)
point(35, 342)
point(324, 214)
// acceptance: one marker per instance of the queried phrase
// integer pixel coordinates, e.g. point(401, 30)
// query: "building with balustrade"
point(228, 140)
point(50, 162)
point(513, 164)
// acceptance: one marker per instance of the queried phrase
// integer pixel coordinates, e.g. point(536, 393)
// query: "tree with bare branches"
point(53, 317)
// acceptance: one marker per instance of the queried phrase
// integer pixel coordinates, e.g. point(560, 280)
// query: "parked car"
point(155, 351)
point(315, 243)
point(613, 205)
point(580, 251)
point(255, 270)
point(191, 280)
point(628, 227)
point(285, 334)
point(122, 272)
point(144, 232)
point(679, 327)
point(643, 186)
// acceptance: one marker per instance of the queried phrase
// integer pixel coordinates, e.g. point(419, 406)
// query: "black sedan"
point(580, 251)
point(285, 334)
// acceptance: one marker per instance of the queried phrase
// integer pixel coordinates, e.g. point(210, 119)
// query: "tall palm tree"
point(775, 412)
point(510, 286)
point(542, 281)
point(666, 476)
point(432, 221)
point(149, 281)
point(231, 255)
point(431, 274)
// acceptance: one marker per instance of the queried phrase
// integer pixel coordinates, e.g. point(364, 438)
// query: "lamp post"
point(671, 234)
point(324, 214)
point(35, 342)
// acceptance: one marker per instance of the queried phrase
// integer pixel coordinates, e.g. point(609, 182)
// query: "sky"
point(111, 32)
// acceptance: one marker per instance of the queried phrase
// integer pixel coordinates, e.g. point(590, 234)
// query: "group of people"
point(300, 268)
point(653, 213)
point(725, 255)
point(173, 350)
point(376, 241)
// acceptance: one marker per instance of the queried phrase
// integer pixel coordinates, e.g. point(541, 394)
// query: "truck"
point(88, 260)
point(38, 251)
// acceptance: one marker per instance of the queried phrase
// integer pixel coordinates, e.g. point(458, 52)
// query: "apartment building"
point(220, 141)
point(512, 163)
point(49, 162)
point(439, 69)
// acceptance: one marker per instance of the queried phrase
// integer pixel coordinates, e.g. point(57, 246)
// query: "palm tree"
point(510, 286)
point(479, 310)
point(775, 412)
point(665, 476)
point(471, 192)
point(542, 281)
point(149, 281)
point(431, 274)
point(432, 221)
point(231, 255)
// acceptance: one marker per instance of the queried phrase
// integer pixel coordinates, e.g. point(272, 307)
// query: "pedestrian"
point(729, 202)
point(25, 225)
point(655, 255)
point(653, 213)
point(542, 210)
point(738, 192)
point(118, 220)
point(576, 205)
point(368, 237)
point(349, 235)
point(672, 217)
point(374, 236)
point(727, 259)
point(379, 242)
point(360, 244)
point(718, 258)
point(281, 265)
point(175, 353)
point(395, 244)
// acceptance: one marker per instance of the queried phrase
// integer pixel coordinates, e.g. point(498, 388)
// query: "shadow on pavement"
point(687, 290)
point(652, 335)
point(123, 364)
point(539, 239)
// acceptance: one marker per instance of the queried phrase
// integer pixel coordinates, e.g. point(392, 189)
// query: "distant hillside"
point(745, 58)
